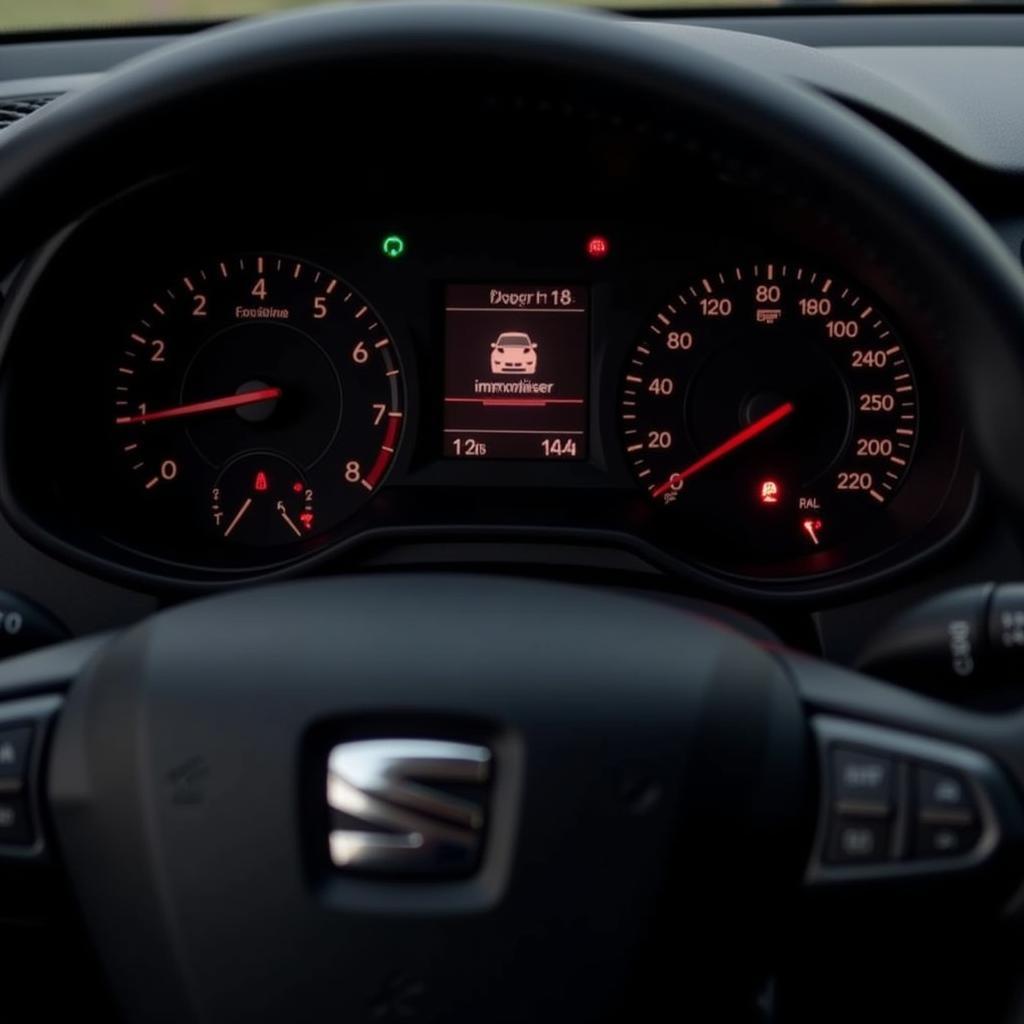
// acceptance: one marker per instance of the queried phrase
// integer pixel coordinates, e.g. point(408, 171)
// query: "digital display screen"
point(516, 361)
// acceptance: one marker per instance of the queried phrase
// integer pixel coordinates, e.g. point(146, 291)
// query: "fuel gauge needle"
point(238, 517)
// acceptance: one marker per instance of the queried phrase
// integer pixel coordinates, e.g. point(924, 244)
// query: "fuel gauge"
point(262, 499)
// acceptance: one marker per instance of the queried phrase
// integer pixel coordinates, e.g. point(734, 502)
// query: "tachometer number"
point(248, 383)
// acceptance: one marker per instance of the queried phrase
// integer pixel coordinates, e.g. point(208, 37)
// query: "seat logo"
point(390, 810)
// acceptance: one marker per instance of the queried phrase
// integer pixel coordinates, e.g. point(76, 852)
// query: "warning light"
point(261, 483)
point(297, 487)
point(307, 520)
point(393, 246)
point(597, 247)
point(812, 527)
point(769, 492)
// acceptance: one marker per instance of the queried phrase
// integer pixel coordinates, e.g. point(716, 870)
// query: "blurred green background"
point(34, 14)
point(25, 15)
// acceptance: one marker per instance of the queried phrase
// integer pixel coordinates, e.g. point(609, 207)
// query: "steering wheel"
point(466, 798)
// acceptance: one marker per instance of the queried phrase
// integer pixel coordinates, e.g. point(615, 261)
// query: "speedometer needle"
point(759, 426)
point(211, 405)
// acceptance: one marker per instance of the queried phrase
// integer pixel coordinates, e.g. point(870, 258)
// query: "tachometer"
point(773, 406)
point(257, 398)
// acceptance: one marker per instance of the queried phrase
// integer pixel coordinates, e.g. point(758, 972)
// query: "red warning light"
point(297, 487)
point(306, 518)
point(769, 492)
point(261, 483)
point(597, 247)
point(812, 527)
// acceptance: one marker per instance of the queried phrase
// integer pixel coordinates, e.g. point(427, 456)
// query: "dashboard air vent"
point(15, 109)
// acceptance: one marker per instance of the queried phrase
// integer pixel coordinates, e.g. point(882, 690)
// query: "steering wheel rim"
point(978, 292)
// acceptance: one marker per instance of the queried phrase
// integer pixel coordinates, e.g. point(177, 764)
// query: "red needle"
point(212, 405)
point(746, 434)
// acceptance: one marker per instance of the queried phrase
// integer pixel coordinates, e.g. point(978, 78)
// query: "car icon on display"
point(513, 352)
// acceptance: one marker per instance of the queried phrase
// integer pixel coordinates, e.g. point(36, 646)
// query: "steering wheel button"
point(944, 797)
point(15, 829)
point(862, 782)
point(945, 841)
point(14, 750)
point(856, 841)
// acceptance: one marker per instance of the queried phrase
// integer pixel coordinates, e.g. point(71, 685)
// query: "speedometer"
point(773, 406)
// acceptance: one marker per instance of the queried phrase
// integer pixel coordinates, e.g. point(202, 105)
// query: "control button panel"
point(25, 625)
point(944, 797)
point(15, 826)
point(863, 780)
point(965, 645)
point(896, 804)
point(946, 840)
point(15, 744)
point(858, 841)
point(23, 728)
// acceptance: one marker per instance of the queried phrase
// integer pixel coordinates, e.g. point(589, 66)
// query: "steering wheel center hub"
point(307, 792)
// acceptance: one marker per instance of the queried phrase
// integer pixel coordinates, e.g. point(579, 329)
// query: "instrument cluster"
point(212, 396)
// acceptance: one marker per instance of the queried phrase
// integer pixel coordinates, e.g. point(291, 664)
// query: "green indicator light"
point(393, 246)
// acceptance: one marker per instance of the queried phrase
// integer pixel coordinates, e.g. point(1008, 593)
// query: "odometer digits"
point(772, 407)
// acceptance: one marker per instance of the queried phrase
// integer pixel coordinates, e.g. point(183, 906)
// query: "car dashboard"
point(520, 341)
point(616, 466)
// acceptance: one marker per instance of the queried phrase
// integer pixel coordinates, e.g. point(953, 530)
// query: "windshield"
point(17, 15)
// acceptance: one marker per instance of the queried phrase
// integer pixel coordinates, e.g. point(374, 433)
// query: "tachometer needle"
point(211, 405)
point(759, 426)
point(238, 517)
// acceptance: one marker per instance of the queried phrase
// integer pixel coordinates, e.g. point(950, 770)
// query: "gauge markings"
point(235, 403)
point(770, 408)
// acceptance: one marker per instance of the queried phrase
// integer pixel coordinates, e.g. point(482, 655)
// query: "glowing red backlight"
point(307, 520)
point(812, 527)
point(297, 487)
point(597, 247)
point(261, 483)
point(770, 492)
